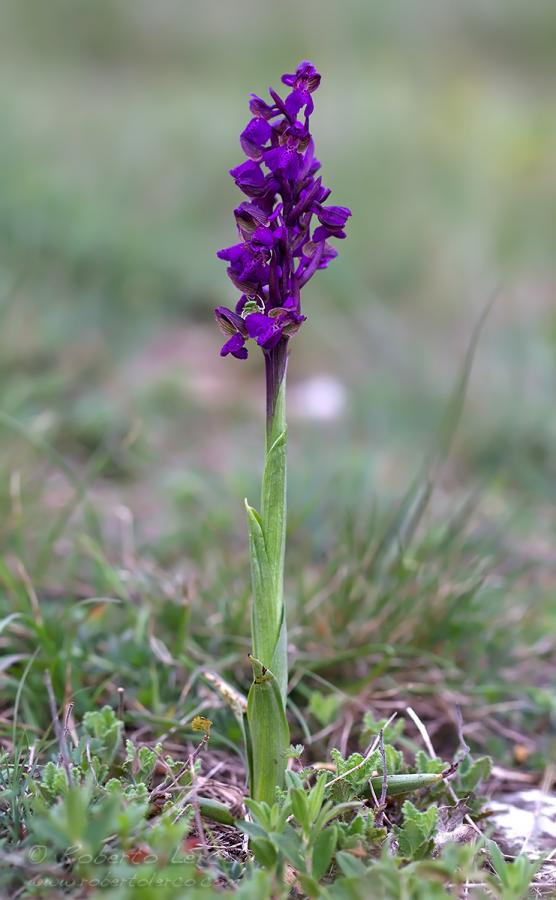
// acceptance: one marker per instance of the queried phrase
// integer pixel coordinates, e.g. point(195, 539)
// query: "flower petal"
point(235, 346)
point(229, 322)
point(334, 216)
point(248, 176)
point(254, 136)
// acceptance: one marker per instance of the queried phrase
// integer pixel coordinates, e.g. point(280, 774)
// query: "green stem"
point(266, 720)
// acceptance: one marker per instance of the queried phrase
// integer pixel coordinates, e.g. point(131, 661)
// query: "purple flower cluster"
point(280, 250)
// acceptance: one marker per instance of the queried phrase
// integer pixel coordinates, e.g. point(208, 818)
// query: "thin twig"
point(377, 804)
point(58, 730)
point(422, 731)
point(463, 745)
point(121, 701)
point(384, 790)
point(67, 716)
point(199, 784)
point(31, 760)
point(90, 761)
point(195, 802)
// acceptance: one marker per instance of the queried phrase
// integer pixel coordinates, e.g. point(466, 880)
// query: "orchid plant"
point(280, 249)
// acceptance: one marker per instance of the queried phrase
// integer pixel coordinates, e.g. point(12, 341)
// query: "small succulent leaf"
point(316, 796)
point(289, 843)
point(310, 886)
point(334, 810)
point(293, 780)
point(300, 808)
point(251, 828)
point(350, 865)
point(323, 851)
point(264, 852)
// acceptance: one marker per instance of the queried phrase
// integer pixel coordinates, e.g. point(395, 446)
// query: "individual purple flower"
point(304, 81)
point(235, 346)
point(249, 177)
point(333, 216)
point(266, 330)
point(254, 136)
point(305, 77)
point(280, 248)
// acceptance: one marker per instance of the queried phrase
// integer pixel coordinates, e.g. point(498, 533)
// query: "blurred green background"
point(119, 120)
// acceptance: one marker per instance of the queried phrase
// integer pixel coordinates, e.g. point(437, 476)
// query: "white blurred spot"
point(322, 397)
point(527, 818)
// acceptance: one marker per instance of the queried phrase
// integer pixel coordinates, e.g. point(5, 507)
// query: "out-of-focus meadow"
point(128, 444)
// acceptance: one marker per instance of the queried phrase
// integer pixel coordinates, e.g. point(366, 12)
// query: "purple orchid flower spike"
point(280, 249)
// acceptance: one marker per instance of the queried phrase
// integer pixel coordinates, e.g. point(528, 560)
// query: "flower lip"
point(231, 254)
point(264, 329)
point(296, 100)
point(263, 238)
point(283, 160)
point(235, 346)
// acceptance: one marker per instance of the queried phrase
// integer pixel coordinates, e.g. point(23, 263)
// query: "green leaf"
point(273, 507)
point(264, 619)
point(4, 623)
point(267, 614)
point(515, 876)
point(394, 760)
point(300, 808)
point(105, 728)
point(293, 780)
point(269, 734)
point(332, 810)
point(472, 773)
point(289, 844)
point(316, 796)
point(323, 851)
point(428, 764)
point(416, 834)
point(54, 780)
point(264, 852)
point(309, 885)
point(350, 865)
point(252, 829)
